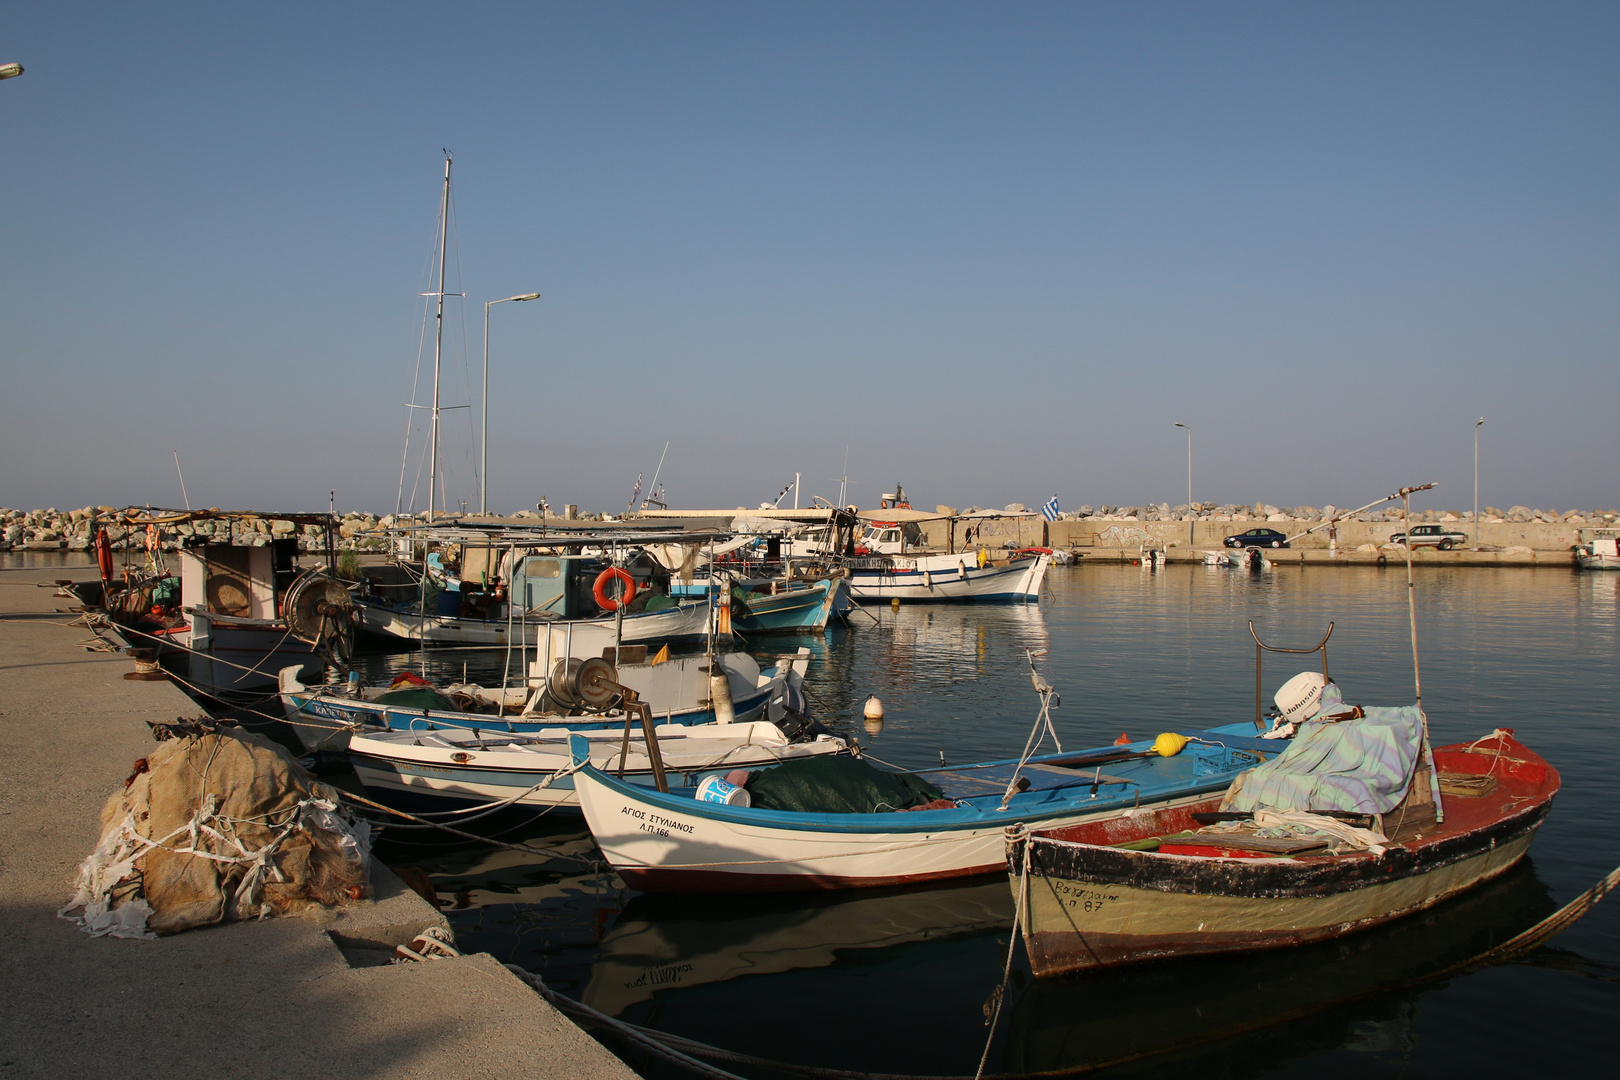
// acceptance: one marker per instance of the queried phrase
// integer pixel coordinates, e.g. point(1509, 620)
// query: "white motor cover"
point(1299, 696)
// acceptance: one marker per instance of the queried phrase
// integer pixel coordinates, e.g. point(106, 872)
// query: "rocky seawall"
point(1161, 525)
point(74, 530)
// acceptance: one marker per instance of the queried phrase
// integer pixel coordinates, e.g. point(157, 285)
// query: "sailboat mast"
point(438, 345)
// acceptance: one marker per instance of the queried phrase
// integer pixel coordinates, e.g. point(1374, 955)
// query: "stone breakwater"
point(1263, 512)
point(1090, 526)
point(73, 530)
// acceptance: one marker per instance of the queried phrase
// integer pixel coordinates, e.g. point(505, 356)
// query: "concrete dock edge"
point(274, 998)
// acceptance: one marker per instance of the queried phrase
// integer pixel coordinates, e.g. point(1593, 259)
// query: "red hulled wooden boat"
point(1157, 885)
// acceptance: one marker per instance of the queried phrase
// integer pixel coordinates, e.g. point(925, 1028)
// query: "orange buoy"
point(1123, 739)
point(104, 556)
point(599, 590)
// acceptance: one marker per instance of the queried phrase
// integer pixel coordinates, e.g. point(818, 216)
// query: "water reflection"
point(672, 943)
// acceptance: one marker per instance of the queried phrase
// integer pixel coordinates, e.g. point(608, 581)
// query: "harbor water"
point(897, 981)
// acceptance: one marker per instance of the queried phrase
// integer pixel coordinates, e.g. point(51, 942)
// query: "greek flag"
point(1050, 510)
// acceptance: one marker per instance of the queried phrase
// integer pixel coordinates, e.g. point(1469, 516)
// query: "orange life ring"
point(599, 590)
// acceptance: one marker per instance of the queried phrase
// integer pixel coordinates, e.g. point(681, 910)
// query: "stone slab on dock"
point(272, 998)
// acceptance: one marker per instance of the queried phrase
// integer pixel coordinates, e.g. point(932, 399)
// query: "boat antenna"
point(183, 494)
point(1411, 613)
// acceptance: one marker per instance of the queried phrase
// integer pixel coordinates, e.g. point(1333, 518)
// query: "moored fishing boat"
point(791, 607)
point(684, 690)
point(1600, 552)
point(672, 842)
point(946, 577)
point(477, 766)
point(1092, 899)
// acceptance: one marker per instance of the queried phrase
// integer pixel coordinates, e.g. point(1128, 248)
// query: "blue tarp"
point(1360, 766)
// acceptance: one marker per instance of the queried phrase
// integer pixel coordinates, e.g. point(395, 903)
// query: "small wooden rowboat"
point(1091, 897)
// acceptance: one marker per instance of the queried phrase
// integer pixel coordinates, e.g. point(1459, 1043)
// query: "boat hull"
point(943, 578)
point(671, 843)
point(1089, 905)
point(795, 611)
point(684, 621)
point(226, 654)
point(470, 771)
point(324, 720)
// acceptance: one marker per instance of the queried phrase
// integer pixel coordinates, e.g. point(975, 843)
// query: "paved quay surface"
point(274, 998)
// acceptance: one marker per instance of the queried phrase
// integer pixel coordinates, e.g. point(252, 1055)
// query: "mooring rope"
point(591, 864)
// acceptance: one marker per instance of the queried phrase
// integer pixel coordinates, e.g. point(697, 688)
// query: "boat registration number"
point(1081, 898)
point(657, 824)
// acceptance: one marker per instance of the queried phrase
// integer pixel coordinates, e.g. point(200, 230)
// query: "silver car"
point(1432, 536)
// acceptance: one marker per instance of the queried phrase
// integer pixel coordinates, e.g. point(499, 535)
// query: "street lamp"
point(1190, 522)
point(10, 71)
point(1478, 422)
point(483, 424)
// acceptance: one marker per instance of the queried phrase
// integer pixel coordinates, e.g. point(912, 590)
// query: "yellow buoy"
point(895, 603)
point(1169, 744)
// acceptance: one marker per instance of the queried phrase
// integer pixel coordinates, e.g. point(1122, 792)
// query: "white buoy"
point(873, 711)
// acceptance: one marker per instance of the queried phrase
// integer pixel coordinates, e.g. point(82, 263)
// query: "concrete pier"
point(276, 998)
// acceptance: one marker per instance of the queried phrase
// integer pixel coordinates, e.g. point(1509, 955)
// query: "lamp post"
point(483, 423)
point(10, 71)
point(1477, 423)
point(1190, 522)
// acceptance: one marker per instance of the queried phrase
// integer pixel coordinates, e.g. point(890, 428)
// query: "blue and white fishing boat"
point(778, 606)
point(677, 842)
point(936, 577)
point(685, 691)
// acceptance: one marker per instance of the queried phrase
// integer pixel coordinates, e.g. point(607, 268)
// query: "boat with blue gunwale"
point(681, 690)
point(673, 842)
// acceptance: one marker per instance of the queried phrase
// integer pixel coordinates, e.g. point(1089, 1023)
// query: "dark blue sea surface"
point(897, 980)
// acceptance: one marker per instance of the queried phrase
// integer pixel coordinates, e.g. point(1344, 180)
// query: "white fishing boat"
point(1600, 552)
point(479, 766)
point(244, 608)
point(685, 690)
point(946, 577)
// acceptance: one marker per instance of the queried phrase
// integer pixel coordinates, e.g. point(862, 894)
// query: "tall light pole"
point(483, 423)
point(1190, 522)
point(1478, 422)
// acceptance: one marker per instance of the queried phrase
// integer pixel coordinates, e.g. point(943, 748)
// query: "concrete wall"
point(1105, 533)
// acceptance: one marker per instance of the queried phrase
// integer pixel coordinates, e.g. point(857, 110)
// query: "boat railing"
point(1261, 648)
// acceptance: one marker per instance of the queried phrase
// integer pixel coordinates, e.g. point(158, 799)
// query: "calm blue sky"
point(995, 251)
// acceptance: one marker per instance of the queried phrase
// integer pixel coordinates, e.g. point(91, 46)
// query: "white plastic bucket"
point(716, 789)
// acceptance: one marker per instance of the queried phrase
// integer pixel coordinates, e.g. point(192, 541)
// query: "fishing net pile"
point(217, 826)
point(837, 784)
